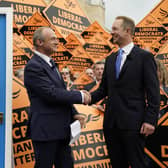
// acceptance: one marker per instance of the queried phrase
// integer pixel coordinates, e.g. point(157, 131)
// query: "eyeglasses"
point(65, 73)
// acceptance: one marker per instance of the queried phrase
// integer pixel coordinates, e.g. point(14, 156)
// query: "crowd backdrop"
point(81, 44)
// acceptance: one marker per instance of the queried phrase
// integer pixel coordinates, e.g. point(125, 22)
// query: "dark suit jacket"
point(134, 97)
point(89, 86)
point(51, 104)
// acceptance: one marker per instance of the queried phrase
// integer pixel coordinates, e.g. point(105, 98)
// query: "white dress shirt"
point(44, 57)
point(126, 51)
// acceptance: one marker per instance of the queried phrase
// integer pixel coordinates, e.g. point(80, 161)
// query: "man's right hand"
point(87, 97)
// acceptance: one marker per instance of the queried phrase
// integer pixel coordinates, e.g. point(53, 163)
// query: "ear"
point(128, 30)
point(39, 42)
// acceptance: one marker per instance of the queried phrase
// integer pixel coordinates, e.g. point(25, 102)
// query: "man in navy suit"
point(51, 105)
point(130, 81)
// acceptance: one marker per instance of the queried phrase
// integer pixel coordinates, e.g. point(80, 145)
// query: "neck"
point(125, 43)
point(43, 52)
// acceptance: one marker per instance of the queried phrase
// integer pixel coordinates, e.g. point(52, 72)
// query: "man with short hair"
point(98, 69)
point(131, 84)
point(51, 105)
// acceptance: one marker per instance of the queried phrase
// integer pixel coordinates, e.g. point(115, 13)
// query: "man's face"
point(118, 32)
point(98, 71)
point(50, 41)
point(65, 74)
point(90, 73)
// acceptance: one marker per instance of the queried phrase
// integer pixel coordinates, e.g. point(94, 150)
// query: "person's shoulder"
point(33, 62)
point(142, 52)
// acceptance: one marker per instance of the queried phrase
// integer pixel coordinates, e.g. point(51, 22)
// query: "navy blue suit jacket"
point(134, 97)
point(51, 109)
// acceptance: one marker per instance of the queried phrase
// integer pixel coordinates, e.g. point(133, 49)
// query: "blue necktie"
point(118, 62)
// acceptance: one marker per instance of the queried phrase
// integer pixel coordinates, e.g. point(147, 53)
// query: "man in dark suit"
point(98, 69)
point(51, 105)
point(133, 98)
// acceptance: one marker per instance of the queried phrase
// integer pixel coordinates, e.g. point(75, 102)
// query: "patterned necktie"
point(118, 62)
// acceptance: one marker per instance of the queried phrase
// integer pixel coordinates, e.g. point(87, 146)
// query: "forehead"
point(48, 32)
point(117, 23)
point(99, 66)
point(89, 70)
point(65, 70)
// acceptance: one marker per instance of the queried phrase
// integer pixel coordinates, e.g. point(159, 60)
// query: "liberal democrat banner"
point(22, 145)
point(23, 10)
point(67, 17)
point(90, 150)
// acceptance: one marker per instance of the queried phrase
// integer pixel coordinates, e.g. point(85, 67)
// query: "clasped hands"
point(87, 97)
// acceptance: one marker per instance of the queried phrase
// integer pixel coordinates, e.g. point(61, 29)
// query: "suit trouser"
point(125, 147)
point(51, 153)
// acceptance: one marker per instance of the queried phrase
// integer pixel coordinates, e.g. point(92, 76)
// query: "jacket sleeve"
point(152, 90)
point(38, 83)
point(101, 92)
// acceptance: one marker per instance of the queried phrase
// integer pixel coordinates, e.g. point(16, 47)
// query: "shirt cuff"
point(82, 95)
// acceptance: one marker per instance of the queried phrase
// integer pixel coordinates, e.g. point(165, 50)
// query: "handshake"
point(86, 97)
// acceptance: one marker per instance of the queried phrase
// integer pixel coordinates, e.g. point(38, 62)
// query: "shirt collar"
point(43, 56)
point(127, 49)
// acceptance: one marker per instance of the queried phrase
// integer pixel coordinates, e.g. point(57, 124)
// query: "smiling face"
point(122, 31)
point(45, 41)
point(50, 41)
point(118, 32)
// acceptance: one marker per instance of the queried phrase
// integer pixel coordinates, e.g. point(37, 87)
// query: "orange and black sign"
point(22, 145)
point(72, 42)
point(67, 16)
point(20, 58)
point(97, 47)
point(160, 13)
point(81, 81)
point(79, 61)
point(23, 10)
point(149, 31)
point(94, 28)
point(59, 36)
point(90, 149)
point(22, 43)
point(159, 153)
point(158, 45)
point(34, 22)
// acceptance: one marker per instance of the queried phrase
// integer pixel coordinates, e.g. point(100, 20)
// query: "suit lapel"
point(127, 61)
point(53, 74)
point(111, 66)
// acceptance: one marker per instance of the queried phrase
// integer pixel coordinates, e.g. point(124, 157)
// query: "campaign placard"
point(67, 17)
point(94, 28)
point(149, 31)
point(97, 47)
point(90, 149)
point(20, 58)
point(22, 145)
point(22, 43)
point(160, 13)
point(72, 42)
point(156, 147)
point(79, 62)
point(33, 23)
point(23, 10)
